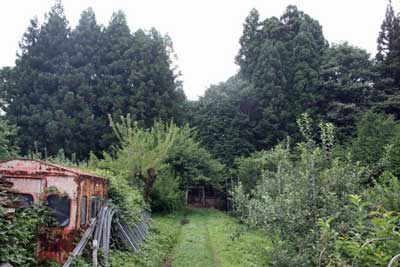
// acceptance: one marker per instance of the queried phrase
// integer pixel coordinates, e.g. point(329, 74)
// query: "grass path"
point(211, 238)
point(194, 245)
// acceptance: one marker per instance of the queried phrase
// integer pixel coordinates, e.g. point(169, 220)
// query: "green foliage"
point(281, 58)
point(128, 199)
point(206, 240)
point(286, 68)
point(166, 193)
point(162, 160)
point(225, 121)
point(250, 169)
point(191, 163)
point(371, 240)
point(163, 236)
point(385, 192)
point(387, 81)
point(19, 232)
point(66, 81)
point(345, 87)
point(374, 133)
point(295, 190)
point(140, 149)
point(8, 133)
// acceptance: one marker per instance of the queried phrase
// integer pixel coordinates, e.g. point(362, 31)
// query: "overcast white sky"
point(205, 32)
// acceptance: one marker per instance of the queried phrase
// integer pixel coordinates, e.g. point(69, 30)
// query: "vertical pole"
point(187, 196)
point(226, 193)
point(233, 202)
point(204, 198)
point(94, 255)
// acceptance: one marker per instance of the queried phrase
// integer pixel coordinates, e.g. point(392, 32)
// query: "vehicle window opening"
point(60, 205)
point(83, 210)
point(94, 206)
point(24, 200)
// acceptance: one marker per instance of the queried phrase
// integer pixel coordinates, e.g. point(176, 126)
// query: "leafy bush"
point(250, 169)
point(7, 134)
point(129, 199)
point(19, 231)
point(374, 133)
point(385, 192)
point(166, 193)
point(371, 240)
point(162, 160)
point(295, 190)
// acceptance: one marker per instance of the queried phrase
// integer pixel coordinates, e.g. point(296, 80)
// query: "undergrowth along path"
point(211, 238)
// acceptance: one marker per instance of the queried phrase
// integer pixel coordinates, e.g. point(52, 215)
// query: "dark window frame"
point(94, 206)
point(69, 207)
point(83, 211)
point(31, 202)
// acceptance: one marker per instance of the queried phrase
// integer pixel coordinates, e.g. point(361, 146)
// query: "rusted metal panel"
point(42, 179)
point(88, 188)
point(25, 185)
point(39, 167)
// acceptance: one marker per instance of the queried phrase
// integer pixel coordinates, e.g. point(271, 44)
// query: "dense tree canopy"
point(346, 85)
point(66, 81)
point(280, 61)
point(287, 68)
point(304, 140)
point(387, 59)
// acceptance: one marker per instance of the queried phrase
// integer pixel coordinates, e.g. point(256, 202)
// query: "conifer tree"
point(37, 91)
point(346, 85)
point(66, 82)
point(387, 83)
point(281, 58)
point(225, 121)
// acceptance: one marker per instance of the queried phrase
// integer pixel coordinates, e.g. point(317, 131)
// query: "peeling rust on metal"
point(36, 178)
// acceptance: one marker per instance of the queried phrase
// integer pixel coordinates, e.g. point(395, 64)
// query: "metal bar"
point(82, 244)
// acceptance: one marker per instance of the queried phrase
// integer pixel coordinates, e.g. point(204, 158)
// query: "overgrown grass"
point(161, 240)
point(211, 238)
point(235, 244)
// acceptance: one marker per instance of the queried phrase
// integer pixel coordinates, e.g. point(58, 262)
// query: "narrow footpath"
point(211, 238)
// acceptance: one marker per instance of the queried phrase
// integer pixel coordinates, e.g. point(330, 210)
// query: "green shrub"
point(295, 190)
point(8, 132)
point(19, 231)
point(166, 194)
point(161, 161)
point(371, 240)
point(374, 133)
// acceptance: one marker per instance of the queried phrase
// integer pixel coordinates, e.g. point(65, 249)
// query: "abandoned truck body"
point(74, 196)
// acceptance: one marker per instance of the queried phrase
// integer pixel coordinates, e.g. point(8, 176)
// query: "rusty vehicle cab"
point(74, 196)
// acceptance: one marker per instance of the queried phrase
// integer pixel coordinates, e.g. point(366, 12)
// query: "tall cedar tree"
point(37, 92)
point(281, 58)
point(286, 68)
point(387, 83)
point(65, 83)
point(279, 61)
point(84, 82)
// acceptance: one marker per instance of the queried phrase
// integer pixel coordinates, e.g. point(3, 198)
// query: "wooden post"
point(233, 202)
point(204, 197)
point(187, 195)
point(94, 255)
